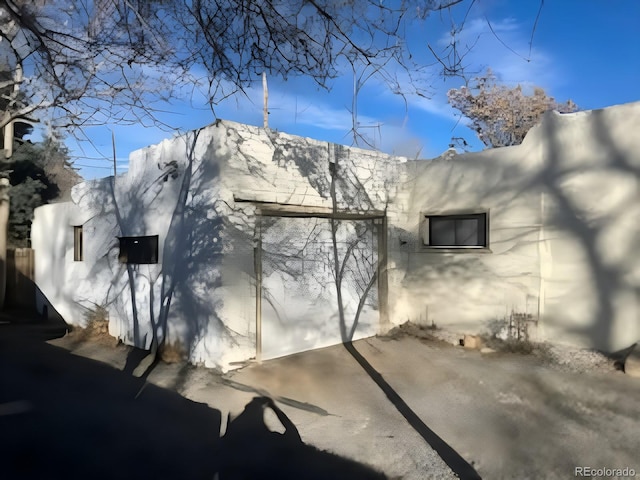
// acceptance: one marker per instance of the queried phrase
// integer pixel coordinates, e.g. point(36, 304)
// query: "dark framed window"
point(77, 243)
point(138, 249)
point(457, 231)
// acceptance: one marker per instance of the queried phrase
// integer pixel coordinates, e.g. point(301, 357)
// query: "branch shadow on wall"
point(611, 276)
point(300, 282)
point(189, 271)
point(576, 190)
point(356, 266)
point(349, 185)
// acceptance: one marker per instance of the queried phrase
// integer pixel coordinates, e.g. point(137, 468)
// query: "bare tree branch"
point(88, 62)
point(502, 115)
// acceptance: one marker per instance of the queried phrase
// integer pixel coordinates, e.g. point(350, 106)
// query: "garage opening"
point(299, 271)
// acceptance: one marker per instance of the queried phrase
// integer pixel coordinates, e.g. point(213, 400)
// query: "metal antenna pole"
point(265, 92)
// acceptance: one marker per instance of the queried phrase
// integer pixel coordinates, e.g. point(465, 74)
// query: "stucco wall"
point(51, 236)
point(590, 166)
point(563, 208)
point(564, 224)
point(468, 290)
point(200, 193)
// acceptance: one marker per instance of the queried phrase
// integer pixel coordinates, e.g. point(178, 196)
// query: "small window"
point(138, 249)
point(77, 243)
point(456, 231)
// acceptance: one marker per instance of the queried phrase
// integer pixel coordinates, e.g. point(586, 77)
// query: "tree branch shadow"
point(452, 458)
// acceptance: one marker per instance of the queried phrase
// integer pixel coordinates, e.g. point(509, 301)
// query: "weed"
point(96, 327)
point(172, 353)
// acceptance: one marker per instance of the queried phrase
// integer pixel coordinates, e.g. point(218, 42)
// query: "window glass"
point(442, 231)
point(77, 243)
point(468, 230)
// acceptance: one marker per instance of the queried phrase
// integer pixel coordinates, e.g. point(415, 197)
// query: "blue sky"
point(587, 51)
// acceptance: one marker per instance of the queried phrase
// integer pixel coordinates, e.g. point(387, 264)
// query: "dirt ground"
point(508, 415)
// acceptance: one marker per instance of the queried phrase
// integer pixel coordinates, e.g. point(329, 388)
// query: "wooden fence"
point(21, 287)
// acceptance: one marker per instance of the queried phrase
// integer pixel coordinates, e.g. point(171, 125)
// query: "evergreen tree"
point(39, 173)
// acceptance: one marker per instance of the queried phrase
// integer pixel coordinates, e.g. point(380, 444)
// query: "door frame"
point(280, 210)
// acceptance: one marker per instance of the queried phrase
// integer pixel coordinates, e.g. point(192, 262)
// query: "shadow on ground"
point(27, 324)
point(250, 450)
point(64, 416)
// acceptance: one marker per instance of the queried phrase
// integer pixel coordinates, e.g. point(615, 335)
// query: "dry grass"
point(173, 353)
point(97, 328)
point(97, 331)
point(422, 332)
point(428, 333)
point(523, 347)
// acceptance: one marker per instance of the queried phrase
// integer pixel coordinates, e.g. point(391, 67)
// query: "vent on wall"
point(138, 250)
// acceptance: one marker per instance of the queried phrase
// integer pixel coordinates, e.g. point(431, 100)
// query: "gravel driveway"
point(508, 415)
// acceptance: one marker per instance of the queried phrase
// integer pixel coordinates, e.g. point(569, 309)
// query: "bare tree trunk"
point(4, 222)
point(8, 140)
point(265, 94)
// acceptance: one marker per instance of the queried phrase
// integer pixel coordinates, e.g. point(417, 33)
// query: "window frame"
point(78, 243)
point(140, 257)
point(426, 229)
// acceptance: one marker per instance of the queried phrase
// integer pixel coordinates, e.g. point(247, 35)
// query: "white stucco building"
point(226, 237)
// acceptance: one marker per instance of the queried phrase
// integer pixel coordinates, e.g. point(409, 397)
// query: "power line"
point(90, 166)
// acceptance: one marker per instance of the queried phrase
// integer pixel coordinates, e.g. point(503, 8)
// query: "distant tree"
point(502, 115)
point(58, 168)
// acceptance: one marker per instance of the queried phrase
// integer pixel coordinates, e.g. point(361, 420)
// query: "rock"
point(473, 341)
point(487, 350)
point(632, 364)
